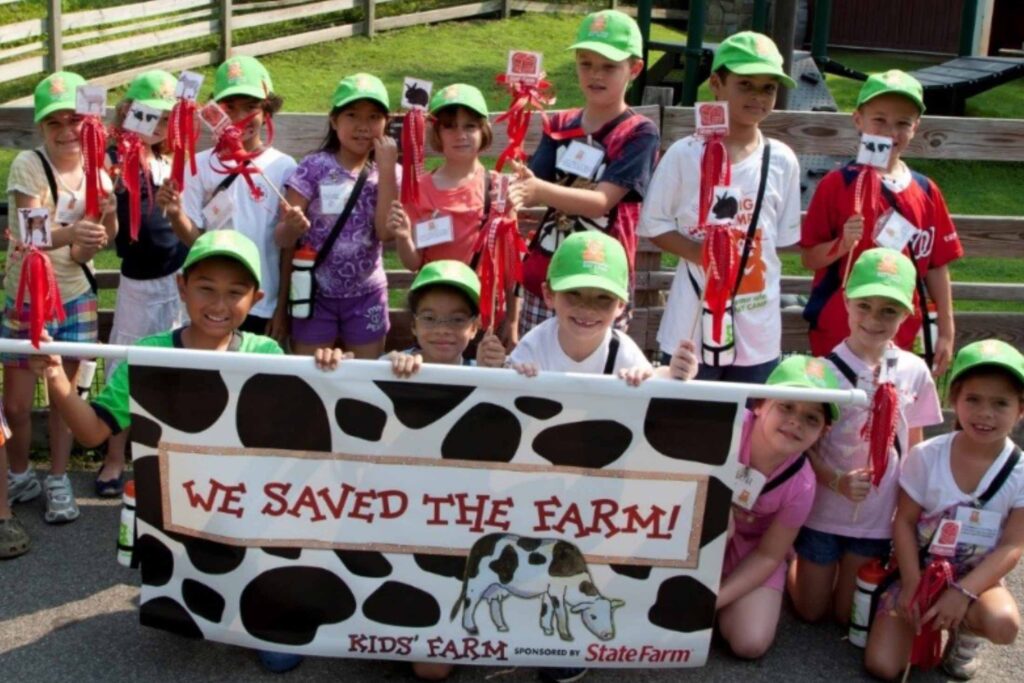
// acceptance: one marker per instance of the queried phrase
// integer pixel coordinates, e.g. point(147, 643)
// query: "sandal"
point(13, 538)
point(110, 488)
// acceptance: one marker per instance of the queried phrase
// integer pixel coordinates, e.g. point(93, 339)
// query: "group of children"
point(818, 495)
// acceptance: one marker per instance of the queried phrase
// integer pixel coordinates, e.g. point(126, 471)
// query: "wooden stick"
point(494, 291)
point(906, 673)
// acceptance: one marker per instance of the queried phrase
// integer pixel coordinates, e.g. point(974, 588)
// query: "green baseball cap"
point(988, 352)
point(360, 87)
point(451, 273)
point(590, 259)
point(242, 75)
point(883, 272)
point(154, 89)
point(895, 82)
point(459, 94)
point(751, 54)
point(807, 372)
point(56, 92)
point(611, 34)
point(229, 243)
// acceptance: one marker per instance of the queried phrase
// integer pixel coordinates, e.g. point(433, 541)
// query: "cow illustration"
point(500, 565)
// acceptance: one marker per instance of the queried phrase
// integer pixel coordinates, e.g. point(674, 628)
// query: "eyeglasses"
point(456, 322)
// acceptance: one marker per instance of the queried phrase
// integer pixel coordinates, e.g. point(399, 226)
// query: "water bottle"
point(86, 372)
point(717, 352)
point(126, 534)
point(300, 297)
point(869, 577)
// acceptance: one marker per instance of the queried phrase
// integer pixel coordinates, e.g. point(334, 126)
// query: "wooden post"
point(370, 15)
point(784, 34)
point(54, 39)
point(613, 4)
point(506, 9)
point(225, 30)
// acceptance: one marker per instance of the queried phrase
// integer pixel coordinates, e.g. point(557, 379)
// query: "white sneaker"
point(60, 500)
point(22, 488)
point(961, 660)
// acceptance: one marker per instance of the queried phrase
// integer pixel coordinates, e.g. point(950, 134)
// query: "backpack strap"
point(786, 475)
point(997, 483)
point(846, 371)
point(328, 244)
point(748, 241)
point(51, 180)
point(613, 352)
point(475, 261)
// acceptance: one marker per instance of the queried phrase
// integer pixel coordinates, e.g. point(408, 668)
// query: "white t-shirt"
point(844, 448)
point(256, 219)
point(541, 347)
point(671, 204)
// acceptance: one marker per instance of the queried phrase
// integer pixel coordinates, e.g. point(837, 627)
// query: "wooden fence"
point(205, 30)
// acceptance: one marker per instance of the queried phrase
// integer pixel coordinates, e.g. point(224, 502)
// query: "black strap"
point(226, 183)
point(324, 250)
point(787, 474)
point(843, 367)
point(748, 241)
point(475, 261)
point(1000, 478)
point(52, 181)
point(613, 352)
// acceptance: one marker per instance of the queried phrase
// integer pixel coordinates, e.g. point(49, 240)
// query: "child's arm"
point(915, 435)
point(490, 353)
point(529, 190)
point(904, 538)
point(758, 565)
point(293, 224)
point(169, 199)
point(277, 327)
point(683, 365)
point(385, 152)
point(826, 253)
point(399, 227)
point(80, 417)
point(940, 290)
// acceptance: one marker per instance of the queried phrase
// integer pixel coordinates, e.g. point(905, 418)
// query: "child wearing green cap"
point(51, 177)
point(147, 292)
point(851, 521)
point(973, 475)
point(593, 165)
point(243, 89)
point(747, 73)
point(357, 165)
point(768, 514)
point(890, 104)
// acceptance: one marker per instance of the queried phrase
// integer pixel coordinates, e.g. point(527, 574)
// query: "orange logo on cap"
point(888, 265)
point(989, 348)
point(598, 24)
point(815, 369)
point(166, 90)
point(362, 83)
point(891, 77)
point(57, 86)
point(764, 45)
point(594, 252)
point(451, 92)
point(234, 71)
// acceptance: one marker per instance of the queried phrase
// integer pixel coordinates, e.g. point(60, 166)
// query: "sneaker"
point(60, 500)
point(13, 538)
point(564, 675)
point(279, 662)
point(23, 487)
point(961, 660)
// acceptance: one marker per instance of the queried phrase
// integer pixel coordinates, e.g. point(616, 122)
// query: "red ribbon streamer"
point(527, 98)
point(880, 428)
point(94, 144)
point(926, 650)
point(130, 154)
point(38, 280)
point(230, 152)
point(501, 248)
point(719, 250)
point(413, 137)
point(182, 133)
point(715, 169)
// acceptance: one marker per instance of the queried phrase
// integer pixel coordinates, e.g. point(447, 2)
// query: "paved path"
point(68, 612)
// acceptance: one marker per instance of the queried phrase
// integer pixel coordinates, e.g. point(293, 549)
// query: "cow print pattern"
point(268, 591)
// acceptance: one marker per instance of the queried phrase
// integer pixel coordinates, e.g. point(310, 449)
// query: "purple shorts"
point(354, 320)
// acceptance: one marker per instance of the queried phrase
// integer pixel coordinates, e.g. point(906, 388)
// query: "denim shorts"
point(822, 547)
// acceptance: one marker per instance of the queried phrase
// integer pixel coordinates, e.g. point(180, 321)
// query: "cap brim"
point(878, 289)
point(467, 105)
point(1015, 370)
point(833, 407)
point(52, 107)
point(355, 98)
point(228, 253)
point(902, 93)
point(612, 53)
point(162, 105)
point(761, 70)
point(587, 280)
point(247, 90)
point(461, 286)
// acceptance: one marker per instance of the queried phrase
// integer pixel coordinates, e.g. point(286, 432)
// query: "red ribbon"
point(413, 137)
point(926, 650)
point(130, 154)
point(501, 248)
point(94, 144)
point(719, 250)
point(880, 428)
point(38, 280)
point(230, 152)
point(182, 133)
point(527, 98)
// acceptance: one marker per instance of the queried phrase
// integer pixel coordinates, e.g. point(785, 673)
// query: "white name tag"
point(334, 196)
point(978, 527)
point(945, 539)
point(894, 231)
point(747, 485)
point(69, 208)
point(437, 230)
point(581, 159)
point(218, 211)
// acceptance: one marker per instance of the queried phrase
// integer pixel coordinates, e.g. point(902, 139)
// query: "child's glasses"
point(456, 322)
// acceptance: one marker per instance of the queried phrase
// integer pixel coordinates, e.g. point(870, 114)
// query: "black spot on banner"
point(366, 563)
point(156, 561)
point(684, 604)
point(399, 604)
point(203, 600)
point(267, 401)
point(536, 558)
point(148, 505)
point(633, 571)
point(289, 604)
point(487, 433)
point(697, 431)
point(716, 511)
point(213, 558)
point(591, 443)
point(443, 565)
point(360, 419)
point(418, 405)
point(540, 408)
point(165, 613)
point(286, 553)
point(145, 431)
point(527, 543)
point(184, 399)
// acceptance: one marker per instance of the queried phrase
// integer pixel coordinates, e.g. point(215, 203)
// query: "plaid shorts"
point(80, 325)
point(533, 312)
